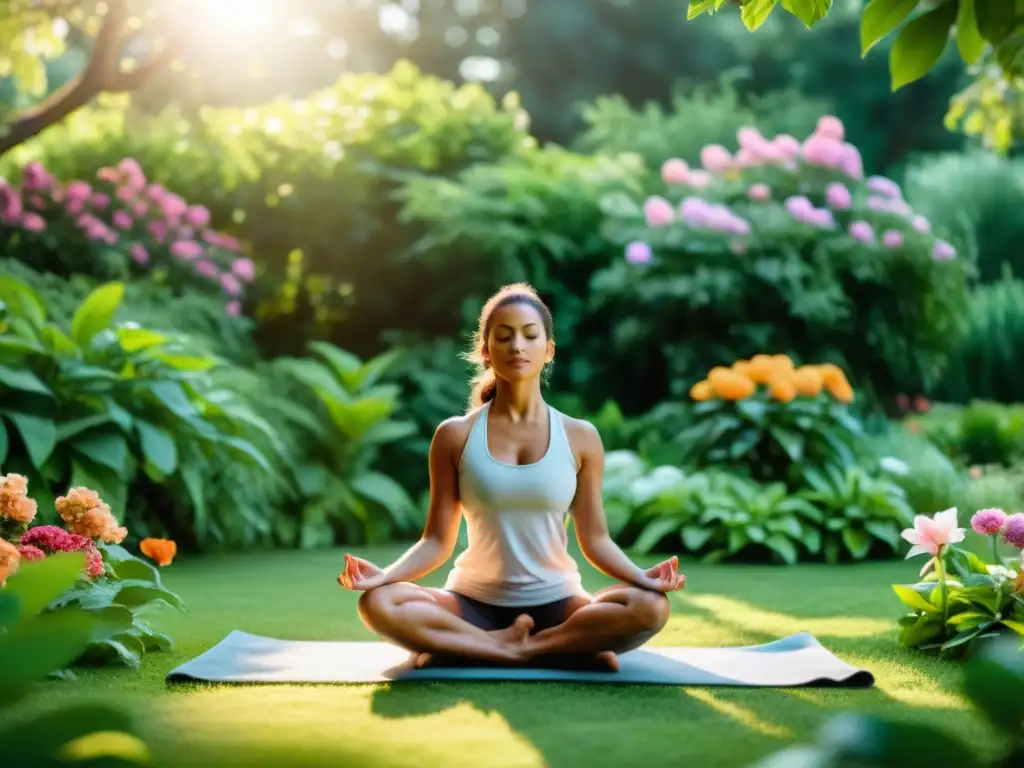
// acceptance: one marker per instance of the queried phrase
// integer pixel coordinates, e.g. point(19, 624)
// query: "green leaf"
point(863, 740)
point(4, 443)
point(72, 427)
point(381, 489)
point(158, 447)
point(38, 434)
point(134, 596)
point(810, 12)
point(697, 7)
point(913, 599)
point(33, 649)
point(654, 532)
point(23, 380)
point(42, 740)
point(138, 570)
point(106, 448)
point(138, 339)
point(1016, 626)
point(993, 680)
point(756, 12)
point(695, 536)
point(880, 17)
point(783, 547)
point(96, 312)
point(791, 442)
point(858, 542)
point(920, 44)
point(247, 451)
point(173, 397)
point(22, 301)
point(968, 39)
point(39, 582)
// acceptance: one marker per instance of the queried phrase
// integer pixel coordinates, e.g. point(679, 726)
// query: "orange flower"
point(160, 550)
point(782, 362)
point(781, 386)
point(730, 385)
point(14, 501)
point(807, 381)
point(10, 560)
point(701, 391)
point(743, 368)
point(760, 368)
point(836, 383)
point(86, 514)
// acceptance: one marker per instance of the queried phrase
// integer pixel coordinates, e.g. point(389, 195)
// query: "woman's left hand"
point(665, 576)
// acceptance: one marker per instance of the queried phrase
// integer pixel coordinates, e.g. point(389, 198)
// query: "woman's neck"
point(519, 401)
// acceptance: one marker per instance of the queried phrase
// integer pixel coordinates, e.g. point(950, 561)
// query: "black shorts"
point(493, 617)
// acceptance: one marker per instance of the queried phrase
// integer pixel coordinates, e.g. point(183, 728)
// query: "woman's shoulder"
point(454, 431)
point(581, 433)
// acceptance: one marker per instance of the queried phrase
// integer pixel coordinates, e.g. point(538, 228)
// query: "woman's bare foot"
point(607, 659)
point(512, 640)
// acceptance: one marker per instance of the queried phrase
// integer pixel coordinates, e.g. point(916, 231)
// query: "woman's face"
point(517, 346)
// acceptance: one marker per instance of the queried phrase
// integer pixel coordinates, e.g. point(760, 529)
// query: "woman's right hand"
point(360, 575)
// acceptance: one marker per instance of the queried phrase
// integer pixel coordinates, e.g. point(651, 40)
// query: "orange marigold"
point(14, 501)
point(86, 514)
point(702, 391)
point(836, 383)
point(730, 385)
point(10, 560)
point(781, 386)
point(160, 550)
point(760, 368)
point(807, 381)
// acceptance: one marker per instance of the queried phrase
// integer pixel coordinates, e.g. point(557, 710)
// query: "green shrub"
point(782, 248)
point(979, 197)
point(987, 361)
point(113, 406)
point(978, 433)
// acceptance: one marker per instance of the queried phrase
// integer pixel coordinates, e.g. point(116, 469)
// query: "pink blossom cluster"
point(48, 539)
point(993, 522)
point(845, 195)
point(144, 218)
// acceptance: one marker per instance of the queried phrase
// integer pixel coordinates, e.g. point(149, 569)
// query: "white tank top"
point(516, 522)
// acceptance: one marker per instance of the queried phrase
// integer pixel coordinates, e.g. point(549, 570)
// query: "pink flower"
point(51, 538)
point(891, 238)
point(75, 205)
point(110, 237)
point(988, 522)
point(233, 308)
point(189, 250)
point(140, 208)
point(820, 217)
point(131, 174)
point(244, 269)
point(35, 177)
point(943, 251)
point(830, 127)
point(33, 222)
point(798, 206)
point(700, 178)
point(636, 253)
point(822, 150)
point(30, 552)
point(108, 174)
point(78, 190)
point(788, 147)
point(127, 194)
point(675, 171)
point(715, 158)
point(206, 268)
point(694, 210)
point(1013, 531)
point(749, 138)
point(99, 201)
point(921, 224)
point(123, 220)
point(929, 534)
point(759, 191)
point(159, 230)
point(862, 232)
point(838, 196)
point(139, 254)
point(883, 186)
point(174, 207)
point(156, 192)
point(197, 216)
point(658, 211)
point(230, 284)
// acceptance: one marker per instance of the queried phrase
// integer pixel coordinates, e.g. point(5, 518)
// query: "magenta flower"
point(658, 211)
point(29, 553)
point(159, 231)
point(75, 205)
point(715, 158)
point(230, 284)
point(862, 232)
point(830, 127)
point(131, 173)
point(838, 196)
point(787, 147)
point(140, 208)
point(636, 253)
point(197, 216)
point(127, 194)
point(943, 251)
point(174, 207)
point(798, 206)
point(35, 177)
point(244, 269)
point(1013, 530)
point(139, 254)
point(749, 138)
point(921, 224)
point(233, 308)
point(694, 210)
point(700, 178)
point(823, 150)
point(189, 250)
point(99, 201)
point(891, 238)
point(759, 191)
point(79, 190)
point(123, 220)
point(988, 522)
point(206, 268)
point(52, 539)
point(33, 222)
point(820, 217)
point(675, 171)
point(883, 186)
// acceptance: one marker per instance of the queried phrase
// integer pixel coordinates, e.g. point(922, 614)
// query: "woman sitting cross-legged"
point(514, 466)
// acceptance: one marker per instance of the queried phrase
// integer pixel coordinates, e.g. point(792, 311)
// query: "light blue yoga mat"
point(795, 661)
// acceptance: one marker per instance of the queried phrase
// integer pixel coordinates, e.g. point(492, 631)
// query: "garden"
point(229, 326)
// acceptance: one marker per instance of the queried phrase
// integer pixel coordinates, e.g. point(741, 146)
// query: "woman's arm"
point(444, 514)
point(592, 525)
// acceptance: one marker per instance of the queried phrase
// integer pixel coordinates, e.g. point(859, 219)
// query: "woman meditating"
point(515, 467)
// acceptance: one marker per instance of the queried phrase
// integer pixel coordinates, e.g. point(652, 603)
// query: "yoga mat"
point(795, 661)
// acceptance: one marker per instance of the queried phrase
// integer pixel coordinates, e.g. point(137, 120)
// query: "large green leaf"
point(994, 681)
point(96, 312)
point(4, 442)
point(968, 38)
point(39, 435)
point(44, 740)
point(104, 447)
point(860, 740)
point(134, 596)
point(914, 599)
point(380, 488)
point(31, 650)
point(920, 44)
point(24, 380)
point(880, 17)
point(158, 447)
point(40, 582)
point(248, 452)
point(22, 301)
point(137, 339)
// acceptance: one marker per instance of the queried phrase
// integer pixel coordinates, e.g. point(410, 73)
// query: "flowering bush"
point(948, 615)
point(784, 244)
point(112, 582)
point(120, 225)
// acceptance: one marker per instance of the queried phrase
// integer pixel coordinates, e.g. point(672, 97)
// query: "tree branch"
point(102, 73)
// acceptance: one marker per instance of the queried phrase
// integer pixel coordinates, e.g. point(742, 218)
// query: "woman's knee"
point(378, 602)
point(650, 609)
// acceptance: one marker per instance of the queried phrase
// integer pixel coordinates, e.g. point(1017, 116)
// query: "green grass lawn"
point(294, 595)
